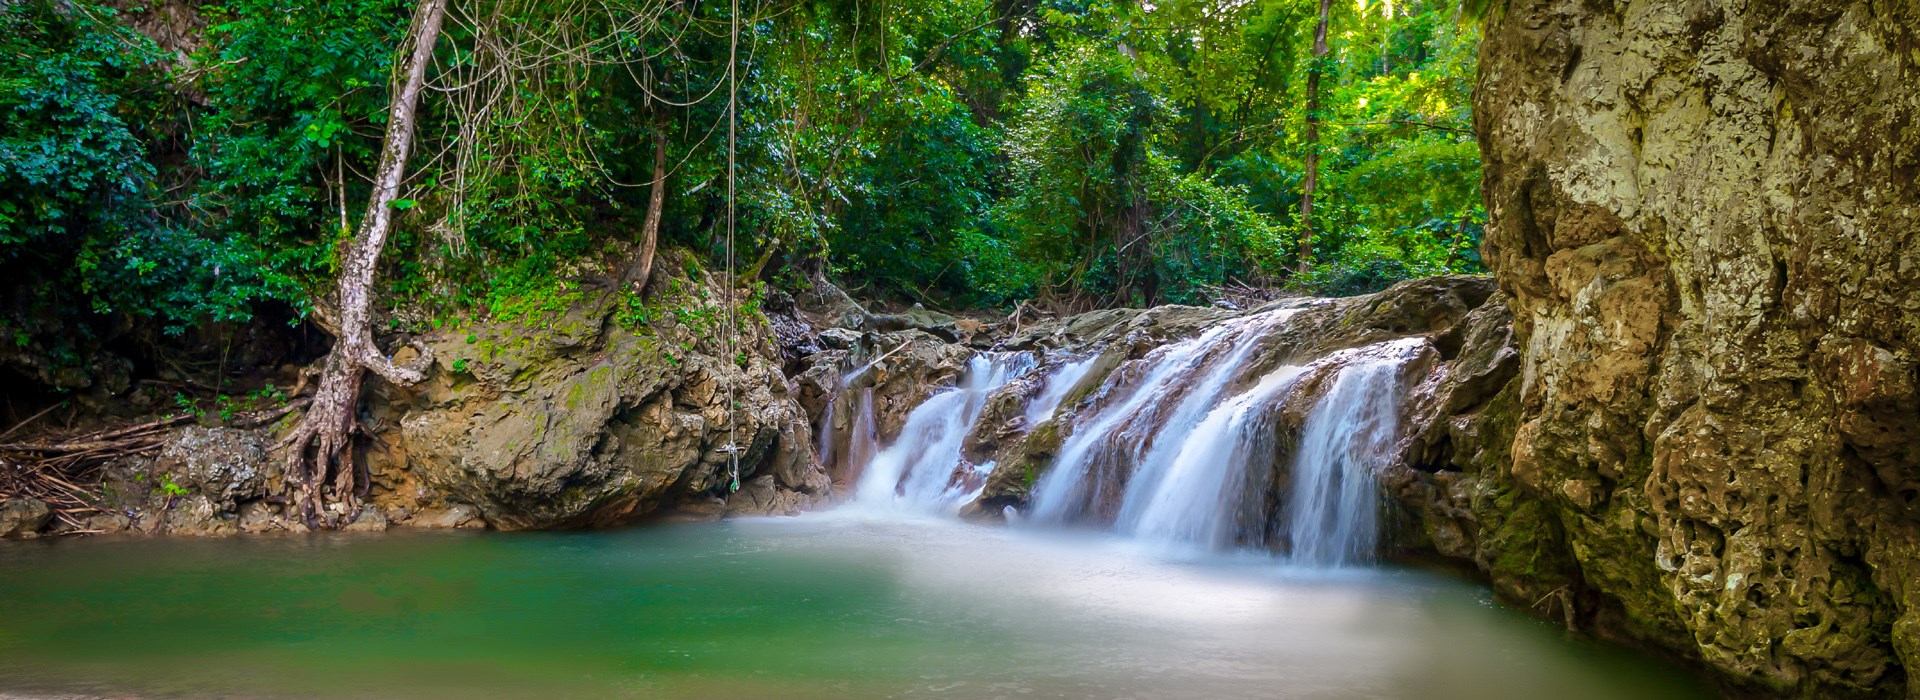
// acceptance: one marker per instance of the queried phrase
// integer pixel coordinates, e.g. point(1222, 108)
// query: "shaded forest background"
point(183, 175)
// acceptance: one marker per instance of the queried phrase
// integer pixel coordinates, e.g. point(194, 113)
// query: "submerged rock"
point(369, 520)
point(449, 517)
point(193, 515)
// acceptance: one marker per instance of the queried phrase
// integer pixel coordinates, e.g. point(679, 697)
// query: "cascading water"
point(1134, 440)
point(1332, 516)
point(1179, 460)
point(1200, 499)
point(823, 443)
point(1058, 384)
point(924, 469)
point(861, 439)
point(1173, 454)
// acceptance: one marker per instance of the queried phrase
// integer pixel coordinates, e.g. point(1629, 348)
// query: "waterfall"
point(1332, 511)
point(1183, 445)
point(1201, 498)
point(1132, 441)
point(860, 436)
point(1180, 458)
point(1057, 385)
point(924, 469)
point(863, 439)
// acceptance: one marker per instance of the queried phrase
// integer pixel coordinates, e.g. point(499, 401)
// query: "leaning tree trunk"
point(318, 445)
point(1312, 184)
point(642, 266)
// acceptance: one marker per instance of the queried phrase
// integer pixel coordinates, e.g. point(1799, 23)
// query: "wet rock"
point(458, 515)
point(369, 520)
point(194, 515)
point(23, 517)
point(761, 496)
point(259, 516)
point(107, 523)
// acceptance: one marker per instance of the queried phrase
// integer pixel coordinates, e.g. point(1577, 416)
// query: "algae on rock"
point(1705, 216)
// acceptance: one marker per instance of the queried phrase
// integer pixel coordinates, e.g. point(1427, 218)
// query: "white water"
point(823, 441)
point(1200, 500)
point(1182, 451)
point(1058, 384)
point(1140, 435)
point(861, 440)
point(924, 470)
point(1333, 504)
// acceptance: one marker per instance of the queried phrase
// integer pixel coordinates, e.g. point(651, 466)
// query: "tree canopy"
point(166, 172)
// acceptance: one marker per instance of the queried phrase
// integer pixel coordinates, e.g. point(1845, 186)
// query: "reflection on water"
point(826, 606)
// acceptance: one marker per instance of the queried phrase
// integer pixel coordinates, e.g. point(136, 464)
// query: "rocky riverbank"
point(592, 410)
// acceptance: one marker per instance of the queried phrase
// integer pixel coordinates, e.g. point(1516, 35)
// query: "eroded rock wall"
point(1707, 217)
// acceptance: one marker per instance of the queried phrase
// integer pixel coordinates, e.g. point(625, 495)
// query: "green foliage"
point(917, 207)
point(68, 148)
point(89, 111)
point(971, 152)
point(295, 109)
point(166, 487)
point(1080, 163)
point(1153, 153)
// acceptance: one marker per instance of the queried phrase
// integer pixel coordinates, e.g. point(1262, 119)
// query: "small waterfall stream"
point(1116, 457)
point(861, 440)
point(924, 470)
point(1332, 507)
point(1058, 383)
point(1200, 499)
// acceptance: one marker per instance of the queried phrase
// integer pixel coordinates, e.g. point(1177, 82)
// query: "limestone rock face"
point(572, 422)
point(1707, 217)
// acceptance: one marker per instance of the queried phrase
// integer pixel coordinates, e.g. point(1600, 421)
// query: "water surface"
point(825, 606)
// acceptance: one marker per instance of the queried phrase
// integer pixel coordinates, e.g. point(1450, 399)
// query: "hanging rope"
point(733, 323)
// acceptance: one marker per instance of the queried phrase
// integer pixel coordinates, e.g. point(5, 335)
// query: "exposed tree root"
point(318, 446)
point(317, 454)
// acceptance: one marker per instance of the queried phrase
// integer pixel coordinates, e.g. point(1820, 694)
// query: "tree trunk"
point(321, 439)
point(1312, 184)
point(642, 266)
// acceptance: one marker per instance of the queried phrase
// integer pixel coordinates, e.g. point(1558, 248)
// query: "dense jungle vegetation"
point(171, 167)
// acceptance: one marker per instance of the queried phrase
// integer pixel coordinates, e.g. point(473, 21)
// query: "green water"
point(817, 607)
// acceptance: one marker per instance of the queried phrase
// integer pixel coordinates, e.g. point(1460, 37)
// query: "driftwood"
point(64, 472)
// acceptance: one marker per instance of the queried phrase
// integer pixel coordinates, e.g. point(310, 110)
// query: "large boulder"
point(226, 465)
point(1704, 214)
point(577, 418)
